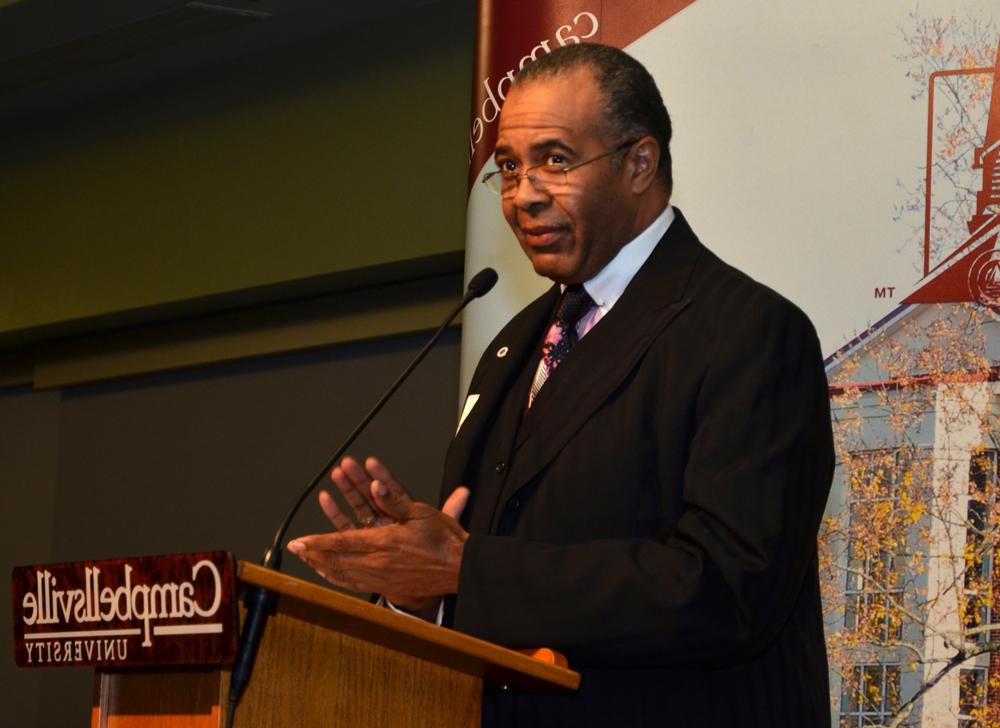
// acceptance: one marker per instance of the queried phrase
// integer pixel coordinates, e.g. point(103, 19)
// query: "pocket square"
point(470, 402)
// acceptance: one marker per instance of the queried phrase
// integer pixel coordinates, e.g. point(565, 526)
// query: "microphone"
point(482, 283)
point(258, 600)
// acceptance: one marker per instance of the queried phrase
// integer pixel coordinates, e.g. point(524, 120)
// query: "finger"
point(363, 511)
point(357, 540)
point(355, 580)
point(320, 567)
point(380, 472)
point(353, 483)
point(357, 563)
point(326, 567)
point(393, 500)
point(356, 486)
point(456, 502)
point(357, 475)
point(337, 517)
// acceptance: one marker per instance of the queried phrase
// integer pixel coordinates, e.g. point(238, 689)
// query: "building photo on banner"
point(846, 155)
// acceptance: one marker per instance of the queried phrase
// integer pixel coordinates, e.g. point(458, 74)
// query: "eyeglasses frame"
point(532, 179)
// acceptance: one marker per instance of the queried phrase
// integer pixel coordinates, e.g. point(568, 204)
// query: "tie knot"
point(575, 302)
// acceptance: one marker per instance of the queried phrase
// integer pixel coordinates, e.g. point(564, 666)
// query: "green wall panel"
point(340, 154)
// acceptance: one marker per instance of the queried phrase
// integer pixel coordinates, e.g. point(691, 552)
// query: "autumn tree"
point(908, 551)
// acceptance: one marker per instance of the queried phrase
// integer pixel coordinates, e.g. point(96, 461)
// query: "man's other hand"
point(411, 552)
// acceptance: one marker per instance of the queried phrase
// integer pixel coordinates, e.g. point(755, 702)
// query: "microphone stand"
point(259, 602)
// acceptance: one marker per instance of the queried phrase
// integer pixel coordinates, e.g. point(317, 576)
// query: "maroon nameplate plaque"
point(154, 610)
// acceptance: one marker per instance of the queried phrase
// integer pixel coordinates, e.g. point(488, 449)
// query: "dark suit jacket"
point(654, 515)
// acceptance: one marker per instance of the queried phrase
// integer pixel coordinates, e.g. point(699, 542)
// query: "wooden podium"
point(329, 660)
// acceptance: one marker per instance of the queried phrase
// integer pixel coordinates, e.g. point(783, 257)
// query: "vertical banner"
point(509, 36)
point(847, 155)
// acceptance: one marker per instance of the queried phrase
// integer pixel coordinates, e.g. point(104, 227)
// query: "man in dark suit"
point(645, 453)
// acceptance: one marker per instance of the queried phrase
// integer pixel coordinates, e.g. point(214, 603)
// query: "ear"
point(644, 160)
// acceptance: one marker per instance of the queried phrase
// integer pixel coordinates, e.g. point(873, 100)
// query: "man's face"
point(572, 231)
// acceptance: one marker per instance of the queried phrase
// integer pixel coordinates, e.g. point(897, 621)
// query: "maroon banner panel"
point(511, 34)
point(178, 609)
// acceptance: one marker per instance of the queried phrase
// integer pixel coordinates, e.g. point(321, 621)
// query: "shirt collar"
point(609, 284)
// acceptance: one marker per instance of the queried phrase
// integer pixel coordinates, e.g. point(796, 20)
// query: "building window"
point(874, 588)
point(971, 697)
point(976, 611)
point(870, 695)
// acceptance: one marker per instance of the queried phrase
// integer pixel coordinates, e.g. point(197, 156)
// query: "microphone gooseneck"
point(259, 601)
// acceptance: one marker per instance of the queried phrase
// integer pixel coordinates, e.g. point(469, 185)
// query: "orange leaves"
point(907, 550)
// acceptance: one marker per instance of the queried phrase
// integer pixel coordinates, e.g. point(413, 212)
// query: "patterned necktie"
point(561, 337)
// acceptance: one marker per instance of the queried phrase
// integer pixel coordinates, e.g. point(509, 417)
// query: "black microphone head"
point(483, 282)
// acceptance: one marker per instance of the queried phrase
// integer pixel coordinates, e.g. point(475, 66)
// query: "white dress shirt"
point(609, 284)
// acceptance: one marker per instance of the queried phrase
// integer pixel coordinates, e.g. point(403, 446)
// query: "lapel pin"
point(502, 352)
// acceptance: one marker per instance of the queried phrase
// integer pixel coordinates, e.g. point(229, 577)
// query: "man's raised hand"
point(412, 556)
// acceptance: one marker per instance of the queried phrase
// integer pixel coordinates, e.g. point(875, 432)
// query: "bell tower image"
point(988, 159)
point(971, 272)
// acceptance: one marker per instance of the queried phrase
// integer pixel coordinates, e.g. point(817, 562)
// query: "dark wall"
point(239, 181)
point(205, 459)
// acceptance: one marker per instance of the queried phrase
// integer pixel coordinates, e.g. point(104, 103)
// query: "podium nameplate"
point(176, 609)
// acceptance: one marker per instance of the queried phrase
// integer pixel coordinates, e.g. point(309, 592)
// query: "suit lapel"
point(493, 379)
point(602, 360)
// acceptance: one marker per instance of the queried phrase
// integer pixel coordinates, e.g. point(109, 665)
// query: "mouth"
point(542, 236)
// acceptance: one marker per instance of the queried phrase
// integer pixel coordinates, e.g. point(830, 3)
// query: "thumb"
point(392, 499)
point(456, 502)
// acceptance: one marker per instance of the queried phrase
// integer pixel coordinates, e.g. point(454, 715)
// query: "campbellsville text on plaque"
point(155, 610)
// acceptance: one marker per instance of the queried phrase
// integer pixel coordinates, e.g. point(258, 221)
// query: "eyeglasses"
point(543, 177)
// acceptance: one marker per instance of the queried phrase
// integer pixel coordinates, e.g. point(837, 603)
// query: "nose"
point(527, 195)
